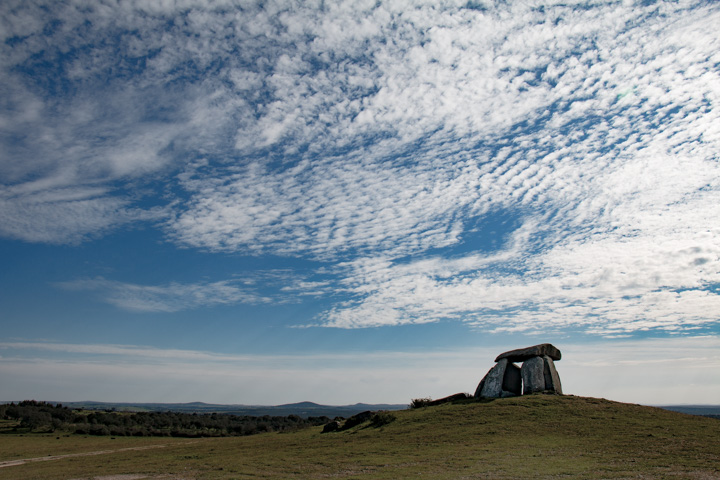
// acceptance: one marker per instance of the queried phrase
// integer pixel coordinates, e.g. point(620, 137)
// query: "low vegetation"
point(31, 416)
point(534, 437)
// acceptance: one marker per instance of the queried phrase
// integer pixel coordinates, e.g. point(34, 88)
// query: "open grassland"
point(536, 436)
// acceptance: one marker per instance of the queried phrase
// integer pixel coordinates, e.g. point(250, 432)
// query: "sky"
point(357, 201)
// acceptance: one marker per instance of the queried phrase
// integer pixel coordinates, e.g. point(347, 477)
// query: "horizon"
point(55, 402)
point(257, 202)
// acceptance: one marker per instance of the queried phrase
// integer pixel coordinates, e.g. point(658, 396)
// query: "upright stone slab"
point(522, 354)
point(512, 381)
point(503, 380)
point(533, 375)
point(491, 385)
point(552, 379)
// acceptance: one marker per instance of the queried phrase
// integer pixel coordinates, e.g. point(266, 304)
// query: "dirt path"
point(23, 461)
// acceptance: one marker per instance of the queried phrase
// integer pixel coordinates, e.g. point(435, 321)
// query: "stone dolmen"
point(537, 373)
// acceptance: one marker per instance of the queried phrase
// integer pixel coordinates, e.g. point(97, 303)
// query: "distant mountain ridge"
point(301, 409)
point(702, 410)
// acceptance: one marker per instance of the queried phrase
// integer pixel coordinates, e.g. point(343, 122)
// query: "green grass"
point(535, 436)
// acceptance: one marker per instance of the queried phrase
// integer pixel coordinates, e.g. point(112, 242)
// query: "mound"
point(533, 436)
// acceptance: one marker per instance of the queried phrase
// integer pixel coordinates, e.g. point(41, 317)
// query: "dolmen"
point(537, 373)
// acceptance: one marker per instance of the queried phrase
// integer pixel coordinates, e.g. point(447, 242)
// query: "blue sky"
point(262, 203)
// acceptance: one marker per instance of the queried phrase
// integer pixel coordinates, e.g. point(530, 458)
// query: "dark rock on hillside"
point(331, 427)
point(357, 419)
point(449, 399)
point(522, 354)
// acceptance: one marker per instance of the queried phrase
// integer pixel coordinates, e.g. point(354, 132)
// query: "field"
point(537, 436)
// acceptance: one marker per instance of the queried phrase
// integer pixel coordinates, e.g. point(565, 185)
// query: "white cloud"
point(171, 297)
point(468, 77)
point(386, 132)
point(65, 215)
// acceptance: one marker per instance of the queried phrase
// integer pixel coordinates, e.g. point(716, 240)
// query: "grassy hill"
point(535, 436)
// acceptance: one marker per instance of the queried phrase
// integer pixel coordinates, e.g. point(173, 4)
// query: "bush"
point(420, 402)
point(40, 416)
point(382, 418)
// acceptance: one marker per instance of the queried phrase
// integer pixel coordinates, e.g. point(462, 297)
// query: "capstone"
point(522, 354)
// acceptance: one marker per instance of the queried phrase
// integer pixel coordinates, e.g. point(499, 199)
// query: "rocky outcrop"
point(537, 374)
point(357, 419)
point(449, 399)
point(331, 427)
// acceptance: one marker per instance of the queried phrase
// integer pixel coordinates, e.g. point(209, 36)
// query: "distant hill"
point(301, 409)
point(703, 410)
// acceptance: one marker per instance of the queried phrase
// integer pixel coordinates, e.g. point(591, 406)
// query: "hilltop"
point(533, 436)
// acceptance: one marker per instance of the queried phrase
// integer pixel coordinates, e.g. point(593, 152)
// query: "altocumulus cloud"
point(172, 297)
point(378, 139)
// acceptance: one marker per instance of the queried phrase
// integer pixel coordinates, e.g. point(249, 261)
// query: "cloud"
point(66, 215)
point(380, 139)
point(447, 115)
point(80, 112)
point(172, 297)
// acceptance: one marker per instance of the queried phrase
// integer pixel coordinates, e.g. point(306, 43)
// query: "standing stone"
point(491, 385)
point(503, 380)
point(533, 375)
point(552, 379)
point(512, 381)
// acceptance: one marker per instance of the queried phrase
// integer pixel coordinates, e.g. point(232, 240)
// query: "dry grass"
point(545, 437)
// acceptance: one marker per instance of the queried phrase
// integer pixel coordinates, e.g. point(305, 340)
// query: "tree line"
point(33, 416)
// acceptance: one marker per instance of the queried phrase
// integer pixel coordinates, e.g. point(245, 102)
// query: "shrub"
point(382, 418)
point(420, 402)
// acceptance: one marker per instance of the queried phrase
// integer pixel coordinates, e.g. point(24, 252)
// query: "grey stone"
point(491, 385)
point(512, 380)
point(552, 379)
point(480, 386)
point(533, 375)
point(357, 419)
point(503, 380)
point(522, 354)
point(449, 399)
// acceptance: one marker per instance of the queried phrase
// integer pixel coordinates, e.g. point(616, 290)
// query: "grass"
point(535, 436)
